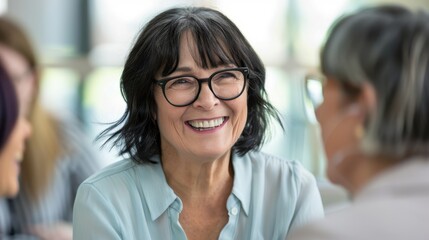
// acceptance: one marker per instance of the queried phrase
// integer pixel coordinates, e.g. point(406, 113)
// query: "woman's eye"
point(181, 83)
point(227, 75)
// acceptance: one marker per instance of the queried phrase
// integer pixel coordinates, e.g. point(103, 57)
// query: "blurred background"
point(83, 45)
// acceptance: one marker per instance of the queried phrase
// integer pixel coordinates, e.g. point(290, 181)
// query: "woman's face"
point(22, 76)
point(11, 157)
point(225, 120)
point(338, 121)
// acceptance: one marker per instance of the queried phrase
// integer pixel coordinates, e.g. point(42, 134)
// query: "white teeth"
point(207, 123)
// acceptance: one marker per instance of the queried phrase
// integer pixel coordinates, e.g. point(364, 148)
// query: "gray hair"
point(387, 46)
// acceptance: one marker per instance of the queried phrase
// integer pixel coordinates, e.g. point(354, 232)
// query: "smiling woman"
point(14, 130)
point(196, 116)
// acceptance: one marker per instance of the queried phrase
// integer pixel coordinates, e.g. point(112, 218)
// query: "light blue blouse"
point(270, 196)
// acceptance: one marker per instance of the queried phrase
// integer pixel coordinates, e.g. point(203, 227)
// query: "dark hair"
point(8, 107)
point(156, 50)
point(387, 46)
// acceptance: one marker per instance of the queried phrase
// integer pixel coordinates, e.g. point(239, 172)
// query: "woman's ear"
point(365, 102)
point(368, 98)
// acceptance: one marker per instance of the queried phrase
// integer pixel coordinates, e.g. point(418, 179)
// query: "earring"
point(359, 131)
point(153, 119)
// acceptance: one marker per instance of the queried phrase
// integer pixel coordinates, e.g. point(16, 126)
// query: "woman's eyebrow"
point(189, 69)
point(183, 70)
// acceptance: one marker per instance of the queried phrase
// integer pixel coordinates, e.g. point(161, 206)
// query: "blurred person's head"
point(14, 130)
point(19, 59)
point(43, 148)
point(375, 110)
point(206, 42)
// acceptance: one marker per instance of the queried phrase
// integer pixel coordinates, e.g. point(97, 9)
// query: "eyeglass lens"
point(225, 85)
point(314, 87)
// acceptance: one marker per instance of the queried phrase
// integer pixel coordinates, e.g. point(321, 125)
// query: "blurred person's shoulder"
point(353, 222)
point(385, 217)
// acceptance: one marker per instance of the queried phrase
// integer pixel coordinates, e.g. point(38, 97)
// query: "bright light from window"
point(262, 23)
point(3, 6)
point(314, 91)
point(314, 24)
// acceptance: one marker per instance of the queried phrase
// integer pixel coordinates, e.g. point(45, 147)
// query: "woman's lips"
point(205, 125)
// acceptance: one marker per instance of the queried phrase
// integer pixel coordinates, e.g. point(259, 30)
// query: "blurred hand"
point(58, 231)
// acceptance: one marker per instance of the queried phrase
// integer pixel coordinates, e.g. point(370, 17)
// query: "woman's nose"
point(206, 99)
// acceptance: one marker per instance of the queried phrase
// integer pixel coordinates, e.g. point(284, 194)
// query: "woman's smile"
point(207, 125)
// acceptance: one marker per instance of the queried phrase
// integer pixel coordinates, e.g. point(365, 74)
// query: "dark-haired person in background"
point(196, 116)
point(374, 121)
point(14, 131)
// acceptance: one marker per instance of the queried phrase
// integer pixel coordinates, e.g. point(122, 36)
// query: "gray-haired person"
point(375, 125)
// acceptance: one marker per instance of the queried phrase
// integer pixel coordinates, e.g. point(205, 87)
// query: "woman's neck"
point(369, 168)
point(196, 181)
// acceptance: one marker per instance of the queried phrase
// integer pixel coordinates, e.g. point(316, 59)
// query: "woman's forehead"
point(190, 50)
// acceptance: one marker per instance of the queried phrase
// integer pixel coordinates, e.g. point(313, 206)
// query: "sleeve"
point(5, 220)
point(309, 205)
point(5, 224)
point(94, 216)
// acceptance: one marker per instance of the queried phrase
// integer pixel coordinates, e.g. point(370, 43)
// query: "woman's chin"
point(13, 191)
point(334, 177)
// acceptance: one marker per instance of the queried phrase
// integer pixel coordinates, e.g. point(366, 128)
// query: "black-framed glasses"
point(314, 84)
point(226, 84)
